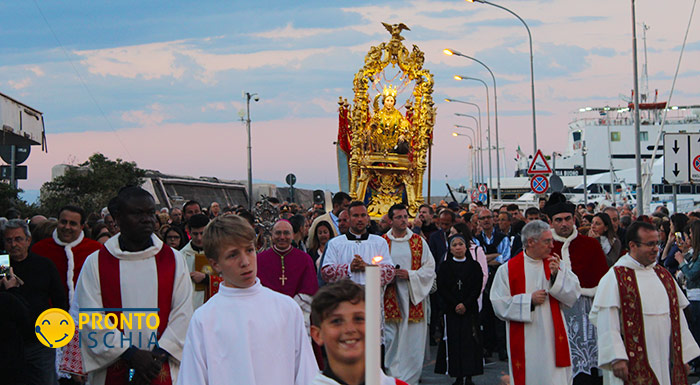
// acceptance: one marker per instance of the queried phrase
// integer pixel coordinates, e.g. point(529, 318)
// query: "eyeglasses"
point(647, 244)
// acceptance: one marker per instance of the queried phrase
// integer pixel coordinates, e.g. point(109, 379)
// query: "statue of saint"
point(388, 129)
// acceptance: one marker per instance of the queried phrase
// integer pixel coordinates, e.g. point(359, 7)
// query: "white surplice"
point(139, 289)
point(657, 322)
point(252, 336)
point(188, 252)
point(341, 251)
point(540, 365)
point(406, 340)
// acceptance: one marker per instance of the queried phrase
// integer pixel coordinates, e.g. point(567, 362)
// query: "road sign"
point(482, 188)
point(682, 157)
point(483, 197)
point(539, 165)
point(291, 179)
point(539, 184)
point(475, 195)
point(21, 153)
point(695, 157)
point(20, 172)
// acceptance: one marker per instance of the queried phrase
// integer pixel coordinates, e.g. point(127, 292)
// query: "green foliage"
point(9, 198)
point(91, 185)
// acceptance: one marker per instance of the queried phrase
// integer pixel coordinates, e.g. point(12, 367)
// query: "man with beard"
point(135, 270)
point(423, 225)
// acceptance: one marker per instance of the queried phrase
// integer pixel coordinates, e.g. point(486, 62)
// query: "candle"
point(372, 323)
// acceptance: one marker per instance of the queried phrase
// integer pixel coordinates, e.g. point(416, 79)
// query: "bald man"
point(288, 270)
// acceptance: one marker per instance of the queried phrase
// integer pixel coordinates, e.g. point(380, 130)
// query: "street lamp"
point(637, 145)
point(473, 171)
point(479, 111)
point(473, 133)
point(488, 111)
point(451, 52)
point(248, 96)
point(532, 68)
point(481, 143)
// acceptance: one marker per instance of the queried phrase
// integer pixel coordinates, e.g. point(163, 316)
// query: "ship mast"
point(645, 80)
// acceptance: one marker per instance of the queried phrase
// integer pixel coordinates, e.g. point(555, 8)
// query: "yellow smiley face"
point(54, 328)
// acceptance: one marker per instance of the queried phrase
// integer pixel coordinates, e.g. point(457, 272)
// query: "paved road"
point(491, 376)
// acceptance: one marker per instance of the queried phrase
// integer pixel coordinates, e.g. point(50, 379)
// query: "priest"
point(135, 270)
point(406, 300)
point(68, 249)
point(638, 308)
point(347, 254)
point(288, 270)
point(587, 261)
point(197, 263)
point(528, 293)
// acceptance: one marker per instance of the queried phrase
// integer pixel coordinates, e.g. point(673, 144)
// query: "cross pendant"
point(283, 279)
point(459, 284)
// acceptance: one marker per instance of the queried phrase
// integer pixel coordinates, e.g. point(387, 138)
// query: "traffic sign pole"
point(13, 181)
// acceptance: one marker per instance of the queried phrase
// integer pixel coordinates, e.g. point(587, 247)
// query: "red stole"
point(633, 327)
point(516, 280)
point(392, 312)
point(110, 286)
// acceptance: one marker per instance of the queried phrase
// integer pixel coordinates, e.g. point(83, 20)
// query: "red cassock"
point(587, 260)
point(48, 248)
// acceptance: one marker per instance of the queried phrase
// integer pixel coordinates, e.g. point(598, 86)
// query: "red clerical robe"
point(294, 274)
point(587, 259)
point(48, 248)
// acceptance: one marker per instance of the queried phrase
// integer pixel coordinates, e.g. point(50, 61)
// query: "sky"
point(160, 83)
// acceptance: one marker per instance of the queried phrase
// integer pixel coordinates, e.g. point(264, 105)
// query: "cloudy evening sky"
point(160, 82)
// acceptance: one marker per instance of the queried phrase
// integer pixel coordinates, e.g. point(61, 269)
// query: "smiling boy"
point(338, 323)
point(246, 333)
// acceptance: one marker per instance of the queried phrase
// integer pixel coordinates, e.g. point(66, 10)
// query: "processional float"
point(381, 151)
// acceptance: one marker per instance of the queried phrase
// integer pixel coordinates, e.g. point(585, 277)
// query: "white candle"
point(372, 325)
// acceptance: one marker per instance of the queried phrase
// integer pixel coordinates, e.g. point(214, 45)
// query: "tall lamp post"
point(451, 52)
point(481, 144)
point(488, 139)
point(455, 134)
point(637, 145)
point(255, 97)
point(532, 67)
point(488, 112)
point(470, 129)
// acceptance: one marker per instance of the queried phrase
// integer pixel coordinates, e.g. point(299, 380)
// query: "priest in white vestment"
point(347, 254)
point(534, 310)
point(137, 285)
point(407, 333)
point(656, 315)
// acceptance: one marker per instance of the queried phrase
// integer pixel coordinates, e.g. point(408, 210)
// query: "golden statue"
point(382, 153)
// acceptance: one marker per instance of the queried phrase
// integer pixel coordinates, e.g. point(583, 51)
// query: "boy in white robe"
point(338, 323)
point(245, 334)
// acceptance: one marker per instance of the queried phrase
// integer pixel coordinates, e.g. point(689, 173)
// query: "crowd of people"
point(563, 293)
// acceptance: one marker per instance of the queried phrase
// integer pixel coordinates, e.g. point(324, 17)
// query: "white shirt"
point(252, 336)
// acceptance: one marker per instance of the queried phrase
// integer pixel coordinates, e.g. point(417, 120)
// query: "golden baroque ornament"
point(381, 151)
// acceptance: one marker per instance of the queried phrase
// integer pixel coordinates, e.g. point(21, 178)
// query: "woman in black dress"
point(459, 281)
